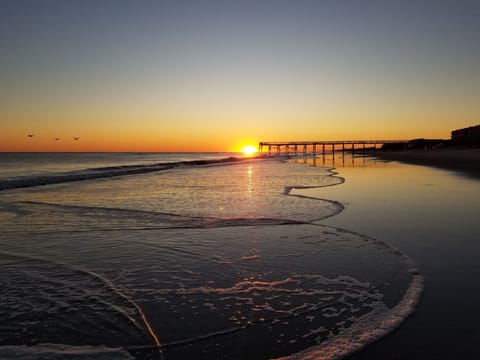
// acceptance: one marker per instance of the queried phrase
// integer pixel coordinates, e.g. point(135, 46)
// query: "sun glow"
point(249, 150)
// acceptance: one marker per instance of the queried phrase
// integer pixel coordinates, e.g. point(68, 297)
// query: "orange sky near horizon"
point(159, 76)
point(192, 137)
point(217, 131)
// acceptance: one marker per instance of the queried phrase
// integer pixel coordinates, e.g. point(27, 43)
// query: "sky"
point(199, 75)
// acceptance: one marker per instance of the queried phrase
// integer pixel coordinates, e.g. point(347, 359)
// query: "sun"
point(249, 150)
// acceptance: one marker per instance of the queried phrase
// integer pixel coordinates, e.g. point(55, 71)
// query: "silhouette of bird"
point(30, 135)
point(76, 138)
point(57, 139)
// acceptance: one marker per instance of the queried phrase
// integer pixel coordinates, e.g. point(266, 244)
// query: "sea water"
point(178, 256)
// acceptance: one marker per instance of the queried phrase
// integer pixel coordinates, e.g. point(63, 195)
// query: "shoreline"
point(430, 216)
point(465, 161)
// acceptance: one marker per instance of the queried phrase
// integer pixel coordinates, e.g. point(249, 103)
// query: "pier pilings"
point(291, 148)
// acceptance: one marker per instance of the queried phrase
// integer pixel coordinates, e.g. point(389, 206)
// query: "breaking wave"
point(104, 172)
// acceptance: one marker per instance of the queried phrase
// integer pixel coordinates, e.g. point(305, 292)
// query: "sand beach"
point(465, 160)
point(430, 213)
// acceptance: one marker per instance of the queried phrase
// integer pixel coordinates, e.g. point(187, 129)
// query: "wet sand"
point(462, 160)
point(432, 216)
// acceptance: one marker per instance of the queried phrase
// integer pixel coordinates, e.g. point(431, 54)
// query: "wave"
point(106, 172)
point(61, 351)
point(178, 282)
point(69, 219)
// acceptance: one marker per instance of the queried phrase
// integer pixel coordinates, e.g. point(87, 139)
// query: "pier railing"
point(294, 148)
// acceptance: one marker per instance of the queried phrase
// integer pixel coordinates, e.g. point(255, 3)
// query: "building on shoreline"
point(467, 136)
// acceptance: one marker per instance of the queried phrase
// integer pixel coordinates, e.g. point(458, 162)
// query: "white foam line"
point(370, 328)
point(62, 351)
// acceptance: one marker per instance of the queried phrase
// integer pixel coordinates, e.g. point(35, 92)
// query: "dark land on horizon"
point(460, 153)
point(465, 160)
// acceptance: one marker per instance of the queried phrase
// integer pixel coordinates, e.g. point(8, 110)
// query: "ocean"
point(188, 256)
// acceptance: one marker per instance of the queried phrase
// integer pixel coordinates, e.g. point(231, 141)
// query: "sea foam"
point(63, 352)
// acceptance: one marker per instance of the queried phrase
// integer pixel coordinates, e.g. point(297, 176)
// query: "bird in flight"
point(57, 139)
point(76, 138)
point(30, 135)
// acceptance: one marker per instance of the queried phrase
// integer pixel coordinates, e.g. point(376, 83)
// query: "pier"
point(296, 148)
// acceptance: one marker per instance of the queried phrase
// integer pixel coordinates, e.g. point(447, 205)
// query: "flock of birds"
point(57, 138)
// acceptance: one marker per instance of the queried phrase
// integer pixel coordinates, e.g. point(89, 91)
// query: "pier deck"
point(289, 148)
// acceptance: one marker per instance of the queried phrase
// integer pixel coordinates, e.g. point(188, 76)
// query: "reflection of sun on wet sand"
point(464, 160)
